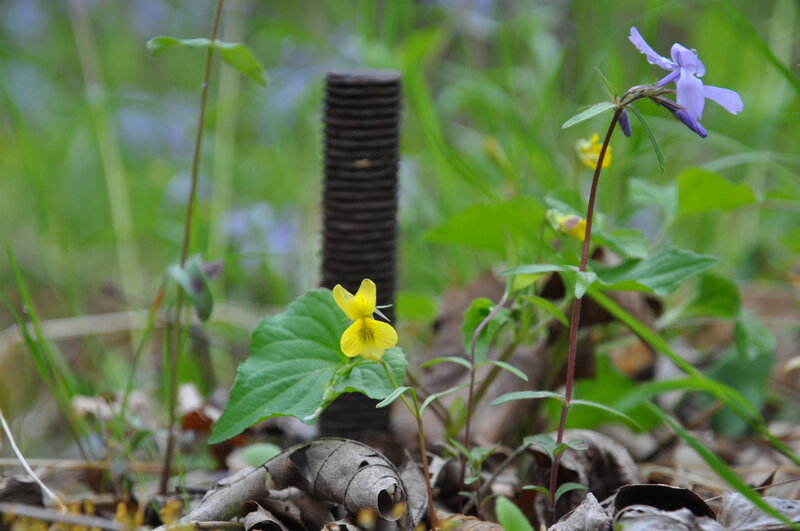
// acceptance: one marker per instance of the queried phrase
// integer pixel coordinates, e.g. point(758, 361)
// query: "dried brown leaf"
point(341, 471)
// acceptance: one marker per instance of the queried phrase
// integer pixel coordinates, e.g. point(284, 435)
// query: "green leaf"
point(236, 54)
point(583, 279)
point(533, 269)
point(193, 281)
point(477, 312)
point(661, 274)
point(543, 490)
point(644, 192)
point(579, 445)
point(750, 377)
point(579, 280)
point(717, 296)
point(719, 466)
point(607, 409)
point(484, 226)
point(436, 396)
point(293, 359)
point(651, 136)
point(526, 395)
point(549, 307)
point(568, 487)
point(393, 396)
point(701, 190)
point(629, 243)
point(257, 454)
point(606, 387)
point(543, 441)
point(606, 84)
point(589, 112)
point(369, 378)
point(507, 367)
point(510, 516)
point(724, 393)
point(451, 359)
point(753, 340)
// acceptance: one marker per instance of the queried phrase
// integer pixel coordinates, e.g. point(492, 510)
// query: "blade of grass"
point(116, 177)
point(52, 367)
point(730, 397)
point(719, 466)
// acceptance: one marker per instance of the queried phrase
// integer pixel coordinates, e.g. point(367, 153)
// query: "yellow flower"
point(365, 336)
point(574, 226)
point(589, 152)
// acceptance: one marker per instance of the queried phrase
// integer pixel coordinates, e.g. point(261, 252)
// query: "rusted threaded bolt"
point(362, 131)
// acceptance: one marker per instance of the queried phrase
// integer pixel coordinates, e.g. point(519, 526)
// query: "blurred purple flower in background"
point(686, 69)
point(257, 228)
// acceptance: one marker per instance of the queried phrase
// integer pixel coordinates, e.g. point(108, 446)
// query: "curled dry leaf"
point(297, 508)
point(341, 471)
point(738, 513)
point(647, 518)
point(589, 516)
point(260, 519)
point(664, 497)
point(414, 482)
point(229, 495)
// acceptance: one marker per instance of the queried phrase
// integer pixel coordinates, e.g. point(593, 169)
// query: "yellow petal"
point(368, 338)
point(352, 341)
point(367, 296)
point(589, 152)
point(383, 335)
point(357, 306)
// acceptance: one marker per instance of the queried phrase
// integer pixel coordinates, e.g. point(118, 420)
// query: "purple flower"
point(681, 114)
point(625, 123)
point(686, 70)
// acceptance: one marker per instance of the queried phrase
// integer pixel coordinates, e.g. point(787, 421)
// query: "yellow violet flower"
point(589, 152)
point(574, 226)
point(365, 336)
point(568, 224)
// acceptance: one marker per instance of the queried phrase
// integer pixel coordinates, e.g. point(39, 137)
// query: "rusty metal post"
point(362, 131)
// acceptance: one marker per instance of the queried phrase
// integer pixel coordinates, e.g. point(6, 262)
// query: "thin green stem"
point(187, 231)
point(472, 346)
point(415, 410)
point(576, 312)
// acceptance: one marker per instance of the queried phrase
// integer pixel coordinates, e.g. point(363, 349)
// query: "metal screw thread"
point(362, 131)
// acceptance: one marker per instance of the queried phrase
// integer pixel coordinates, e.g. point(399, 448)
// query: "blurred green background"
point(96, 138)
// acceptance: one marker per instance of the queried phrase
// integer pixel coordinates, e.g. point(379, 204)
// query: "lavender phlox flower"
point(686, 69)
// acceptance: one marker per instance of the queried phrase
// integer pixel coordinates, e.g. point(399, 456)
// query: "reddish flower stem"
point(576, 315)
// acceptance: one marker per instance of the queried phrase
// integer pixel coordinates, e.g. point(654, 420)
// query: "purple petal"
point(669, 78)
point(690, 122)
point(728, 99)
point(687, 60)
point(691, 95)
point(652, 57)
point(625, 123)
